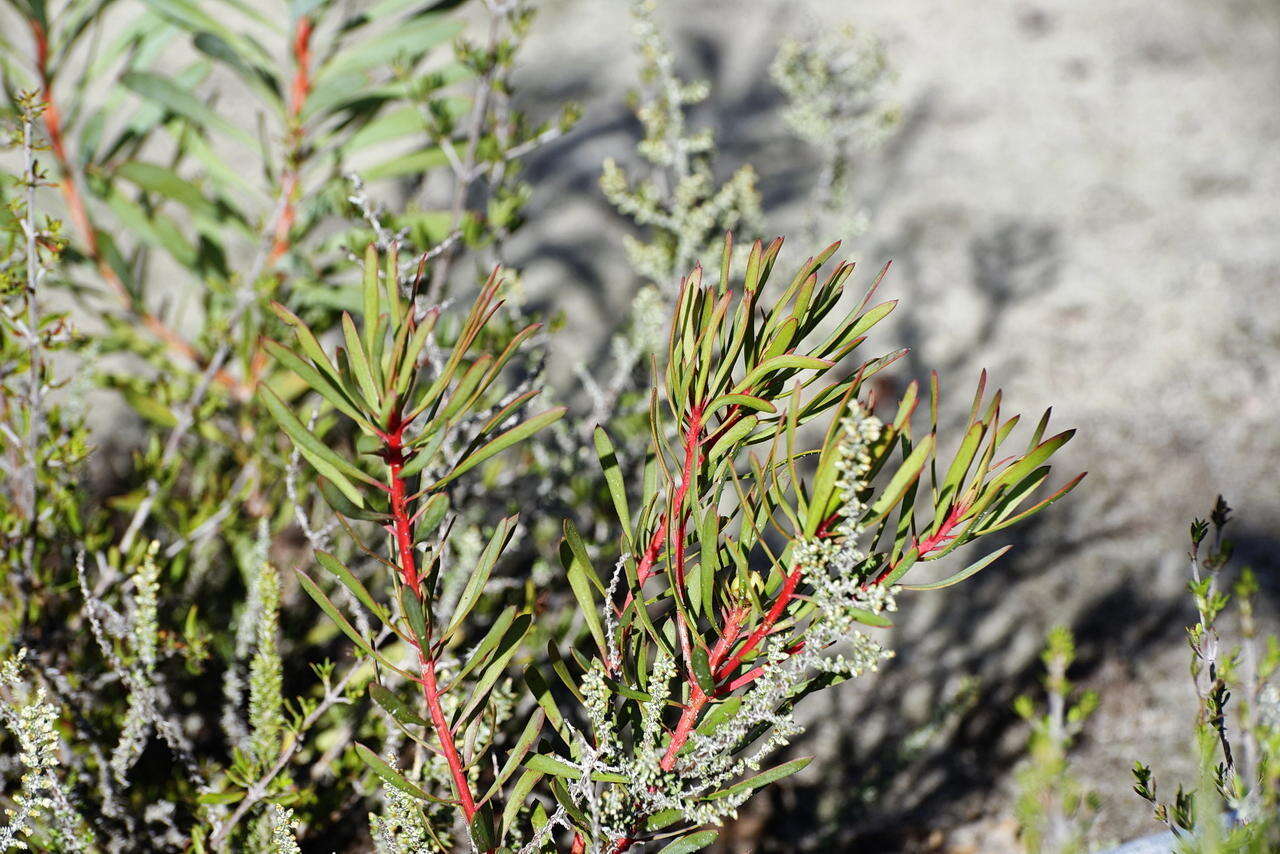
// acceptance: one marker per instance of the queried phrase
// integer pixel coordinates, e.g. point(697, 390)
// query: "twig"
point(34, 394)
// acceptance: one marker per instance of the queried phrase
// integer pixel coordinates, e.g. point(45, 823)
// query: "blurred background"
point(1082, 198)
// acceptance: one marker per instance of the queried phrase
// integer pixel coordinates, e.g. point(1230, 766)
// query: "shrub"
point(337, 419)
point(1232, 806)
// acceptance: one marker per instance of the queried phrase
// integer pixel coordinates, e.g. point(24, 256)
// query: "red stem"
point(697, 696)
point(298, 91)
point(931, 543)
point(766, 625)
point(402, 532)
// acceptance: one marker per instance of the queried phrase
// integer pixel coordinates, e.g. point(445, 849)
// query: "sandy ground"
point(1083, 198)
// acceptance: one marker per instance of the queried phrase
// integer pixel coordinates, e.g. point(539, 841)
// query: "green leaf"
point(744, 400)
point(541, 691)
point(702, 669)
point(582, 578)
point(501, 442)
point(183, 102)
point(411, 39)
point(663, 818)
point(360, 365)
point(430, 516)
point(507, 647)
point(516, 798)
point(613, 479)
point(149, 408)
point(870, 618)
point(519, 750)
point(332, 612)
point(339, 571)
point(391, 775)
point(372, 305)
point(1035, 508)
point(787, 362)
point(337, 500)
point(308, 341)
point(972, 569)
point(394, 706)
point(764, 778)
point(415, 613)
point(545, 764)
point(414, 163)
point(479, 655)
point(959, 469)
point(167, 183)
point(689, 844)
point(483, 835)
point(906, 475)
point(319, 383)
point(480, 574)
point(1033, 459)
point(732, 437)
point(320, 455)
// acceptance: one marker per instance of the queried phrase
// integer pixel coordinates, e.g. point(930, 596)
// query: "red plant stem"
point(752, 674)
point(692, 456)
point(645, 569)
point(401, 527)
point(298, 91)
point(931, 543)
point(766, 625)
point(402, 531)
point(697, 696)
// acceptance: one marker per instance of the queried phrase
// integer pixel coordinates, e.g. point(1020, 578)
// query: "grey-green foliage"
point(1055, 810)
point(43, 815)
point(747, 570)
point(836, 83)
point(1231, 807)
point(679, 201)
point(168, 219)
point(149, 599)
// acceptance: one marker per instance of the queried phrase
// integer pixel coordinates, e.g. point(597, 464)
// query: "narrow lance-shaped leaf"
point(360, 365)
point(332, 612)
point(349, 581)
point(906, 475)
point(692, 843)
point(582, 578)
point(972, 569)
point(394, 706)
point(613, 479)
point(764, 778)
point(379, 766)
point(480, 574)
point(318, 382)
point(325, 459)
point(501, 442)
